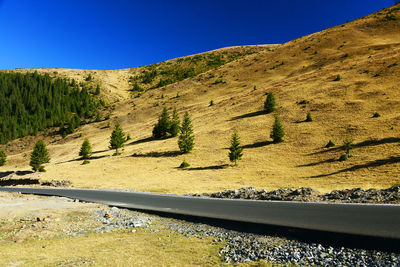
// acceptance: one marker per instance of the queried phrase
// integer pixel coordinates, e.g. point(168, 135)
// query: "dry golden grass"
point(357, 51)
point(139, 249)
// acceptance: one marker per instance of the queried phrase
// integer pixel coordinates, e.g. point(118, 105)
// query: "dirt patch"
point(15, 204)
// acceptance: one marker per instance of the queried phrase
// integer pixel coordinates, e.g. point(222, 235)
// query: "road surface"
point(374, 220)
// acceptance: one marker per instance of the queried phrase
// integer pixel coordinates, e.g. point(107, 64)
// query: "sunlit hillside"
point(343, 76)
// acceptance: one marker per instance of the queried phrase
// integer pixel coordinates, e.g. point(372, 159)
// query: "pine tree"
point(277, 132)
point(98, 116)
point(308, 117)
point(269, 104)
point(163, 125)
point(175, 124)
point(39, 156)
point(97, 92)
point(86, 149)
point(186, 138)
point(117, 138)
point(348, 145)
point(330, 144)
point(3, 157)
point(236, 150)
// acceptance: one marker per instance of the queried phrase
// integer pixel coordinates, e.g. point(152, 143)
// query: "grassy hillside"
point(301, 74)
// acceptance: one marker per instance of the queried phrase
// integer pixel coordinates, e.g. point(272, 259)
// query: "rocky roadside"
point(238, 246)
point(245, 247)
point(390, 195)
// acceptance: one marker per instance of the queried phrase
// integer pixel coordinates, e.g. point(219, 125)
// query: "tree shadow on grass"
point(258, 144)
point(249, 115)
point(6, 173)
point(157, 154)
point(376, 163)
point(81, 159)
point(389, 140)
point(19, 173)
point(213, 167)
point(23, 181)
point(255, 145)
point(317, 163)
point(140, 141)
point(100, 151)
point(302, 121)
point(95, 157)
point(23, 172)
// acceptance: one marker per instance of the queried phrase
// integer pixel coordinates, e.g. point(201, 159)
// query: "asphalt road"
point(374, 220)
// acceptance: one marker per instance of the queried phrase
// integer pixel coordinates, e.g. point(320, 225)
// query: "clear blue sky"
point(112, 34)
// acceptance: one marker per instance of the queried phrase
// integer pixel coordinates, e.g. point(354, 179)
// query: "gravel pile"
point(115, 218)
point(244, 247)
point(356, 195)
point(112, 219)
point(359, 195)
point(56, 183)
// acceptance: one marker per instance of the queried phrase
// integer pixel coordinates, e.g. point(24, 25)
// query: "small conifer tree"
point(277, 132)
point(308, 117)
point(98, 116)
point(376, 115)
point(163, 125)
point(175, 124)
point(97, 92)
point(117, 138)
point(348, 145)
point(186, 138)
point(86, 149)
point(3, 157)
point(269, 104)
point(39, 156)
point(184, 164)
point(330, 144)
point(235, 151)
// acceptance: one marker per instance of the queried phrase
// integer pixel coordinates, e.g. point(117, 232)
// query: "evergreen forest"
point(33, 102)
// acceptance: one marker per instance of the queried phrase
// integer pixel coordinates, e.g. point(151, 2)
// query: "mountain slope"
point(301, 73)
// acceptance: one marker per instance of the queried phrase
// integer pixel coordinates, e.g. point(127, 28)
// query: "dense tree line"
point(32, 102)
